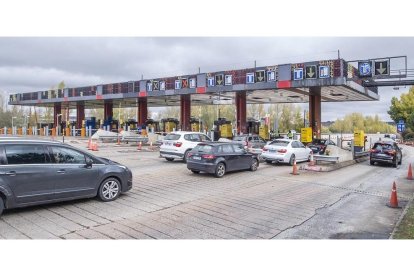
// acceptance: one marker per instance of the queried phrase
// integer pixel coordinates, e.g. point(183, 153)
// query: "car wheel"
point(169, 159)
point(292, 160)
point(1, 205)
point(220, 170)
point(399, 163)
point(110, 189)
point(371, 163)
point(395, 163)
point(269, 161)
point(196, 172)
point(254, 165)
point(186, 155)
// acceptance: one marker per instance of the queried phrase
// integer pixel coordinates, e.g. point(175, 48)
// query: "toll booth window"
point(63, 155)
point(26, 154)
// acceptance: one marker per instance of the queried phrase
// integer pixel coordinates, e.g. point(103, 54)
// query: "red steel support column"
point(108, 110)
point(241, 112)
point(315, 111)
point(80, 114)
point(57, 109)
point(185, 112)
point(142, 111)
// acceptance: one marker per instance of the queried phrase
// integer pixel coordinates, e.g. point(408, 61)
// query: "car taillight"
point(177, 144)
point(265, 149)
point(246, 143)
point(374, 151)
point(208, 156)
point(282, 150)
point(190, 154)
point(390, 152)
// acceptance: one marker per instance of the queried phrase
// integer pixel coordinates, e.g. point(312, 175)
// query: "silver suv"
point(252, 142)
point(177, 145)
point(41, 171)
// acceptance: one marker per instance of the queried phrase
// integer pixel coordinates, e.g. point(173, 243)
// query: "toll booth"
point(264, 128)
point(169, 124)
point(306, 135)
point(131, 124)
point(91, 123)
point(223, 129)
point(196, 124)
point(253, 126)
point(152, 125)
point(111, 124)
point(359, 140)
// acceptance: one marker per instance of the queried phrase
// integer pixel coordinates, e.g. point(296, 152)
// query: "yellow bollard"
point(83, 132)
point(67, 132)
point(53, 132)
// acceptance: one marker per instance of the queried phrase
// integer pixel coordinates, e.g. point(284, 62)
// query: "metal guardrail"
point(361, 154)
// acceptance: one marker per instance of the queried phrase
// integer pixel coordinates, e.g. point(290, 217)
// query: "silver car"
point(36, 172)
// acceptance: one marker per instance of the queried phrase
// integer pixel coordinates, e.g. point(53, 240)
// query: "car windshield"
point(319, 141)
point(381, 147)
point(279, 143)
point(204, 148)
point(239, 138)
point(172, 136)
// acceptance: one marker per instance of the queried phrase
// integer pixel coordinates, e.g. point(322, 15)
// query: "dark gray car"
point(36, 172)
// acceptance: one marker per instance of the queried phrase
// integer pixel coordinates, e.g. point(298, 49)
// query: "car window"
point(295, 144)
point(192, 137)
point(203, 148)
point(239, 138)
point(381, 147)
point(26, 154)
point(226, 149)
point(261, 140)
point(204, 138)
point(250, 139)
point(238, 148)
point(64, 155)
point(172, 136)
point(300, 145)
point(279, 143)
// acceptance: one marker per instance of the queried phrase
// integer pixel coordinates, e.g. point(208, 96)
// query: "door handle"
point(11, 173)
point(61, 171)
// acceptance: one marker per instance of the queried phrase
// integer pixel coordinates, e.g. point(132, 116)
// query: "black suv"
point(42, 171)
point(385, 152)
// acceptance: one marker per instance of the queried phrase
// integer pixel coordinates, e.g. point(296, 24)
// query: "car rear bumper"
point(276, 158)
point(205, 167)
point(382, 160)
point(168, 154)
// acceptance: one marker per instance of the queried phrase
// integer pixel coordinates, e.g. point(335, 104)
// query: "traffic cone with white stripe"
point(139, 146)
point(393, 200)
point(311, 161)
point(410, 173)
point(295, 168)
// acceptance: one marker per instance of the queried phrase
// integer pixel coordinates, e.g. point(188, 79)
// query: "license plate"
point(272, 151)
point(168, 143)
point(196, 157)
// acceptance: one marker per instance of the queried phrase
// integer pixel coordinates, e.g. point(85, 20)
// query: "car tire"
point(196, 172)
point(292, 160)
point(220, 170)
point(169, 159)
point(371, 163)
point(395, 163)
point(269, 161)
point(186, 155)
point(110, 189)
point(1, 205)
point(399, 163)
point(254, 165)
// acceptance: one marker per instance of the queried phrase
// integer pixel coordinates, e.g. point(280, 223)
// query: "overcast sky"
point(33, 64)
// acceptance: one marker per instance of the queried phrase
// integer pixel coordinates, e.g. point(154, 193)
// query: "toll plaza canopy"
point(338, 80)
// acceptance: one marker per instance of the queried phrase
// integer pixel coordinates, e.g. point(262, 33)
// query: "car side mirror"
point(89, 163)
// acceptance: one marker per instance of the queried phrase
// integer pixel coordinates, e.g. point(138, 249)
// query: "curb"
point(334, 167)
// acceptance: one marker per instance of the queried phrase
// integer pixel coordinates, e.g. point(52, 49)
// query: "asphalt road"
point(169, 202)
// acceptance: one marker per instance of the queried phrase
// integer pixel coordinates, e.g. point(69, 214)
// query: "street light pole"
point(13, 125)
point(57, 124)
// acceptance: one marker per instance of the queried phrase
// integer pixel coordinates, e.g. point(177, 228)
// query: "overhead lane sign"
point(382, 68)
point(365, 69)
point(311, 72)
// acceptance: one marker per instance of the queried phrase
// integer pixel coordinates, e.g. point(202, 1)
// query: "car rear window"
point(204, 148)
point(381, 147)
point(319, 141)
point(239, 138)
point(172, 136)
point(279, 143)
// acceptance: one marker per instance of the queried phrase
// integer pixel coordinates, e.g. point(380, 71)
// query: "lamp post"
point(57, 124)
point(13, 125)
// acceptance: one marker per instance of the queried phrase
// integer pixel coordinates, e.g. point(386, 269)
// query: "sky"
point(38, 63)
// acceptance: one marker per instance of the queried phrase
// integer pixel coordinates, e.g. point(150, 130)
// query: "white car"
point(285, 151)
point(177, 145)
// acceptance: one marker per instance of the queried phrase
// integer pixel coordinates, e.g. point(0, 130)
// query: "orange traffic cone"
point(311, 161)
point(410, 173)
point(295, 168)
point(150, 147)
point(139, 146)
point(95, 146)
point(393, 200)
point(89, 144)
